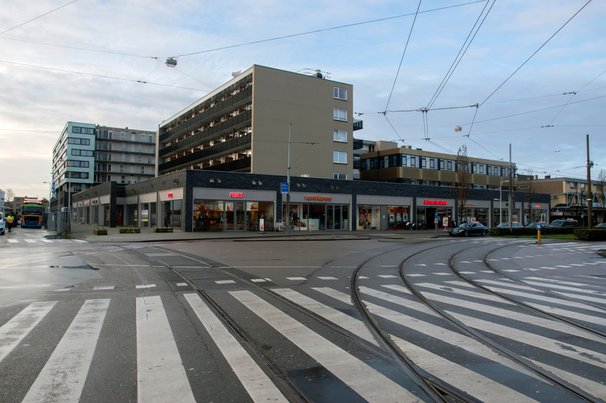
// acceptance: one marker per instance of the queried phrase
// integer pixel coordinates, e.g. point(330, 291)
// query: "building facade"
point(264, 121)
point(205, 200)
point(569, 196)
point(88, 154)
point(124, 155)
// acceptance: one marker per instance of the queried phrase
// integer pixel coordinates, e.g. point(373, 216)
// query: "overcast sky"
point(103, 62)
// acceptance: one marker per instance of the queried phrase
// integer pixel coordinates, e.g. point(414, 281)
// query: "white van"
point(2, 223)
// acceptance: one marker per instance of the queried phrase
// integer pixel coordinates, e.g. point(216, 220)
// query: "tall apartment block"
point(87, 154)
point(260, 118)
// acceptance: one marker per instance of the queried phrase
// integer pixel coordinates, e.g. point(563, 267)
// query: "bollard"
point(538, 235)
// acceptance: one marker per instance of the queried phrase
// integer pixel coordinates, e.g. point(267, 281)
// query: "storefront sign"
point(435, 202)
point(170, 195)
point(236, 195)
point(318, 198)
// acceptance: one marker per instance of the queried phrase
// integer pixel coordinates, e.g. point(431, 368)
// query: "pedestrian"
point(10, 219)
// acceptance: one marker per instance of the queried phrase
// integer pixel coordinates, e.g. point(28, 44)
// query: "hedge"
point(590, 234)
point(163, 229)
point(531, 231)
point(130, 230)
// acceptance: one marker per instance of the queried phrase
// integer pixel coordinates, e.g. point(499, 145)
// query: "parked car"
point(2, 223)
point(513, 225)
point(601, 225)
point(565, 223)
point(537, 224)
point(466, 229)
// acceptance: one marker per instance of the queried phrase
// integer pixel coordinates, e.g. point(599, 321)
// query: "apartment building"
point(124, 155)
point(387, 162)
point(260, 120)
point(87, 154)
point(569, 196)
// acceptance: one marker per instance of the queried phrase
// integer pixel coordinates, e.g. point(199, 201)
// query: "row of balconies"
point(192, 123)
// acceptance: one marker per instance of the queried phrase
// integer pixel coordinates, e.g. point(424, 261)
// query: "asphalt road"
point(366, 319)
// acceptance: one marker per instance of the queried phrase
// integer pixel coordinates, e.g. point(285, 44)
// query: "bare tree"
point(462, 182)
point(10, 195)
point(600, 189)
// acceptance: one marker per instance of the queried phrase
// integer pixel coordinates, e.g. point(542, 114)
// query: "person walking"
point(10, 219)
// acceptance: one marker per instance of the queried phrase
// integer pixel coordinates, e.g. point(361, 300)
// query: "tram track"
point(519, 359)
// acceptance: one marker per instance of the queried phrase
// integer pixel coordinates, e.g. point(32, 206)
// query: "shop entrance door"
point(234, 216)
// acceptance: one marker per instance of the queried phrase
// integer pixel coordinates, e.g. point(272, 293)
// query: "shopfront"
point(171, 208)
point(383, 212)
point(318, 212)
point(233, 210)
point(477, 211)
point(432, 213)
point(148, 210)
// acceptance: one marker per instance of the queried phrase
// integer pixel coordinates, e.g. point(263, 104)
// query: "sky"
point(527, 73)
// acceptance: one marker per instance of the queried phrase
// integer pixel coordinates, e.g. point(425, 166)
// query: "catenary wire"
point(462, 51)
point(533, 54)
point(316, 31)
point(37, 17)
point(60, 70)
point(572, 95)
point(395, 80)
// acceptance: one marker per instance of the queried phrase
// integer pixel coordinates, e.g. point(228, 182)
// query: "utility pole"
point(288, 180)
point(509, 210)
point(589, 195)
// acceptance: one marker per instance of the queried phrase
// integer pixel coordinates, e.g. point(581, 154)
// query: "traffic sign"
point(284, 187)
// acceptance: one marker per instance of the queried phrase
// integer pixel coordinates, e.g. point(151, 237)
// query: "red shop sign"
point(236, 195)
point(435, 202)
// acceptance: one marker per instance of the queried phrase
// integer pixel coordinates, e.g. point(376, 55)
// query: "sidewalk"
point(85, 232)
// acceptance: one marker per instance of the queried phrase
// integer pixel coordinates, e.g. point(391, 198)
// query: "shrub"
point(163, 229)
point(590, 235)
point(130, 230)
point(100, 231)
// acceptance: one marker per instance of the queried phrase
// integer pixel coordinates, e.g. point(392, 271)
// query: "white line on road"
point(363, 379)
point(13, 331)
point(255, 381)
point(142, 286)
point(160, 373)
point(63, 376)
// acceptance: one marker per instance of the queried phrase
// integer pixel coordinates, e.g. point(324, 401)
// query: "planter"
point(100, 231)
point(130, 230)
point(163, 229)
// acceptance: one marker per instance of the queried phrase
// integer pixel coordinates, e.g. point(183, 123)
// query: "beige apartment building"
point(387, 162)
point(255, 121)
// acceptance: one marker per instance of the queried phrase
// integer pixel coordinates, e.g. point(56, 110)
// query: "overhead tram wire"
point(37, 17)
point(395, 80)
point(320, 30)
point(533, 54)
point(574, 94)
point(99, 75)
point(462, 51)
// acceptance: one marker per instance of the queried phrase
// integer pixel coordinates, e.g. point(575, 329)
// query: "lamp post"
point(288, 179)
point(501, 200)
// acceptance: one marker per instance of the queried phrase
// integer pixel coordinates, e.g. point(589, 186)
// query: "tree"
point(462, 182)
point(600, 189)
point(10, 195)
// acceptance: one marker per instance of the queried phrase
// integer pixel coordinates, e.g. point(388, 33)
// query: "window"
point(339, 136)
point(404, 160)
point(339, 93)
point(339, 157)
point(423, 162)
point(75, 140)
point(432, 163)
point(339, 175)
point(82, 153)
point(449, 165)
point(339, 114)
point(413, 161)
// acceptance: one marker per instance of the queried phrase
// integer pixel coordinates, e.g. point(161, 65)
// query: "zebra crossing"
point(161, 374)
point(43, 241)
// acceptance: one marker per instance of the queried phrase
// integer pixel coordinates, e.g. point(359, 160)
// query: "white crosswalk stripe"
point(160, 373)
point(63, 376)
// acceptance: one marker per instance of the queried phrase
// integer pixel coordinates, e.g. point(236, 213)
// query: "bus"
point(32, 212)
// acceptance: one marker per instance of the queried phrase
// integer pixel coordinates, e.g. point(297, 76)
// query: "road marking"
point(104, 288)
point(363, 379)
point(13, 331)
point(182, 284)
point(415, 275)
point(258, 280)
point(225, 282)
point(142, 286)
point(296, 278)
point(190, 267)
point(327, 278)
point(63, 376)
point(160, 372)
point(387, 276)
point(333, 315)
point(12, 241)
point(258, 385)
